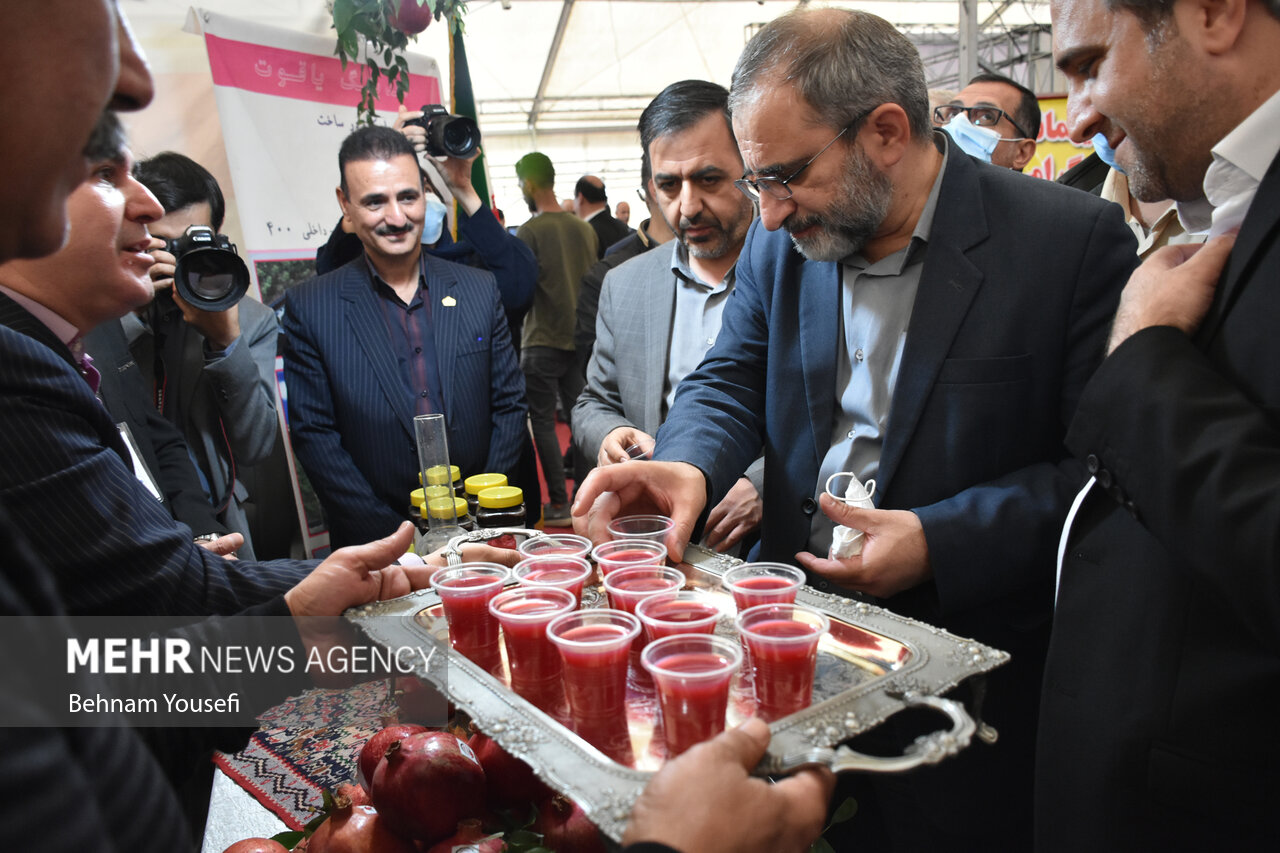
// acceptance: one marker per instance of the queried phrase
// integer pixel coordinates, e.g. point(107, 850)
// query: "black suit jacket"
point(163, 449)
point(112, 548)
point(609, 230)
point(1163, 679)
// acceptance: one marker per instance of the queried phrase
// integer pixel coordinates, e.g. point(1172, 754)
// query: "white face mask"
point(973, 140)
point(433, 219)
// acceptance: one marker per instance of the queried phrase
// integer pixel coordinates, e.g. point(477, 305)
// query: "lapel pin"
point(448, 302)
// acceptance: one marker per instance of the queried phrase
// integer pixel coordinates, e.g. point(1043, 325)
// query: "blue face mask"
point(433, 220)
point(1105, 152)
point(973, 140)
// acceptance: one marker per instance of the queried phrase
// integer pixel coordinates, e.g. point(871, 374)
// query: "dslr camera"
point(210, 274)
point(447, 135)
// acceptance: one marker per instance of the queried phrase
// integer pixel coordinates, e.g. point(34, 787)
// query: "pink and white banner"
point(286, 104)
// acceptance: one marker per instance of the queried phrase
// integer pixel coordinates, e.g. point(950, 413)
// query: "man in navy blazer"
point(393, 334)
point(955, 399)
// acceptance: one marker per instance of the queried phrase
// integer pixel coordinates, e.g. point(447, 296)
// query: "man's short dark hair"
point(535, 167)
point(679, 107)
point(1028, 113)
point(372, 142)
point(108, 140)
point(593, 193)
point(178, 182)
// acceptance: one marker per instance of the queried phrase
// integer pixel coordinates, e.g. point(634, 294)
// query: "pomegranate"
point(566, 828)
point(408, 17)
point(419, 703)
point(257, 845)
point(426, 783)
point(375, 747)
point(470, 838)
point(357, 829)
point(509, 780)
point(353, 794)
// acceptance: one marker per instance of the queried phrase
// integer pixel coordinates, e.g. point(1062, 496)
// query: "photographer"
point(482, 241)
point(212, 372)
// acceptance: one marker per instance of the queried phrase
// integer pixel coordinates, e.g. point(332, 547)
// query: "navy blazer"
point(1163, 676)
point(112, 547)
point(1019, 284)
point(351, 414)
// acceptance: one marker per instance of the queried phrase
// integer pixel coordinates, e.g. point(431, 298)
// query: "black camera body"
point(447, 135)
point(210, 274)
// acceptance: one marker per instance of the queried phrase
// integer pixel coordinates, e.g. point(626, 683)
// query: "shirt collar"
point(380, 282)
point(591, 216)
point(1240, 161)
point(680, 266)
point(924, 225)
point(61, 328)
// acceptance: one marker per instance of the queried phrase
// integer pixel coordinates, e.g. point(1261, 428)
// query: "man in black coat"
point(1163, 674)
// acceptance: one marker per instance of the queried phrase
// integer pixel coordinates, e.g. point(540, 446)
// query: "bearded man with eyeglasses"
point(914, 316)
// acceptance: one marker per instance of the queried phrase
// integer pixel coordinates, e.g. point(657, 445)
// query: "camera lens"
point(461, 137)
point(212, 279)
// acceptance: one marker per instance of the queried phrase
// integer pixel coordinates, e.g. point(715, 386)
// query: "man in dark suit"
point(393, 334)
point(1163, 674)
point(163, 455)
point(591, 203)
point(890, 326)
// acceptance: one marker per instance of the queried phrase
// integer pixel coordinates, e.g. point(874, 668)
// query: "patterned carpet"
point(305, 746)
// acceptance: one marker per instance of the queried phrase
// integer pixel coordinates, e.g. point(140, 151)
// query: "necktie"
point(85, 362)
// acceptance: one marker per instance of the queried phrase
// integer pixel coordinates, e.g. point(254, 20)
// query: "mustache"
point(392, 230)
point(793, 223)
point(701, 220)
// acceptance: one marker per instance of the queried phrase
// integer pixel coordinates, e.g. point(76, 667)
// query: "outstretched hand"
point(705, 801)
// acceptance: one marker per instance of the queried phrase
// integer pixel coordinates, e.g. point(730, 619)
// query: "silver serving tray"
point(872, 665)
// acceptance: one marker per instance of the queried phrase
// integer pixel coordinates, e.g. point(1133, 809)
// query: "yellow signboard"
point(1055, 152)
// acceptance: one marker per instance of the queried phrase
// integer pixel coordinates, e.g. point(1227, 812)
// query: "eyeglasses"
point(980, 116)
point(778, 187)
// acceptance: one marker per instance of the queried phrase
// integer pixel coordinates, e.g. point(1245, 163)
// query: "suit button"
point(823, 584)
point(1131, 507)
point(1117, 494)
point(808, 506)
point(1091, 463)
point(1104, 478)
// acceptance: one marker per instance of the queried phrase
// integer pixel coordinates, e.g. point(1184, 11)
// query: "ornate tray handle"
point(926, 749)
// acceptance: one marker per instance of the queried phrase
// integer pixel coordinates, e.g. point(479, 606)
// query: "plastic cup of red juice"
point(564, 572)
point(782, 640)
point(594, 648)
point(622, 553)
point(465, 591)
point(692, 673)
point(524, 613)
point(684, 612)
point(628, 587)
point(641, 528)
point(555, 545)
point(752, 584)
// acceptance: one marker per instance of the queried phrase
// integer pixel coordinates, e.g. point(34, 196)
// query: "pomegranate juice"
point(693, 709)
point(530, 655)
point(763, 589)
point(596, 679)
point(466, 607)
point(674, 616)
point(783, 670)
